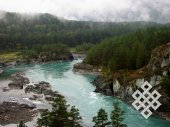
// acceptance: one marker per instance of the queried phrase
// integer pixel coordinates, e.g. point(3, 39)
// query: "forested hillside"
point(130, 51)
point(19, 31)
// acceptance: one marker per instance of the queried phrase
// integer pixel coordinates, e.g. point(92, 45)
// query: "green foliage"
point(130, 51)
point(44, 119)
point(84, 47)
point(166, 85)
point(101, 120)
point(50, 51)
point(60, 115)
point(74, 117)
point(117, 116)
point(18, 32)
point(21, 124)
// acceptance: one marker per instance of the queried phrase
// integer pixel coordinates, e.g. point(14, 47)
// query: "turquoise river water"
point(78, 91)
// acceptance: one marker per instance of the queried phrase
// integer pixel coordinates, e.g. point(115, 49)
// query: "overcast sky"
point(96, 10)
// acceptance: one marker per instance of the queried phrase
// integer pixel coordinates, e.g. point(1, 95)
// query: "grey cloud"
point(96, 10)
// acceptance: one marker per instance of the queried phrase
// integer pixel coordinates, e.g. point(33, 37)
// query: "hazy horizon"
point(94, 10)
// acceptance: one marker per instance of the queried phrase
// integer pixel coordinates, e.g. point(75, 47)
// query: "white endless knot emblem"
point(145, 100)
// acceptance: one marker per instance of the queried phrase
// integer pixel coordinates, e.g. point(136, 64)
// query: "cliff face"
point(123, 84)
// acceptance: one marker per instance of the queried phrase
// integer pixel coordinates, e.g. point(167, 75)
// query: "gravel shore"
point(19, 96)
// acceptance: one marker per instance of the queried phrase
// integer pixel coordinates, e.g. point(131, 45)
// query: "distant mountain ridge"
point(19, 30)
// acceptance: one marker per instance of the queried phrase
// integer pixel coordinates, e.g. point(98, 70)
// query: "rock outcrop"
point(20, 78)
point(43, 88)
point(18, 81)
point(122, 84)
point(86, 69)
point(15, 85)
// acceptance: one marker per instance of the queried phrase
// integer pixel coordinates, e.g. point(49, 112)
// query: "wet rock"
point(5, 89)
point(20, 78)
point(37, 90)
point(49, 98)
point(41, 88)
point(32, 106)
point(51, 93)
point(15, 85)
point(42, 85)
point(108, 92)
point(34, 97)
point(98, 81)
point(34, 89)
point(29, 89)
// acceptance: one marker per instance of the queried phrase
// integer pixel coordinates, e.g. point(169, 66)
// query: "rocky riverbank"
point(86, 69)
point(24, 98)
point(40, 59)
point(11, 112)
point(123, 84)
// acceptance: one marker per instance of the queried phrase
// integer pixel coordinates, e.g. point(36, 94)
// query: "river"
point(78, 91)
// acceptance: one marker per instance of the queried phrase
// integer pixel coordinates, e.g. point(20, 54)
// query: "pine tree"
point(21, 124)
point(101, 120)
point(61, 115)
point(74, 117)
point(44, 120)
point(117, 116)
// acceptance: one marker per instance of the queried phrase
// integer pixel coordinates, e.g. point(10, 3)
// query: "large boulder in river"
point(40, 88)
point(43, 85)
point(33, 89)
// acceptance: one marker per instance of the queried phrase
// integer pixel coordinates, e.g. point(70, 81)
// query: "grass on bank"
point(9, 56)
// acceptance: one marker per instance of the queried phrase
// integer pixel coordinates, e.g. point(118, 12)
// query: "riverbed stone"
point(49, 98)
point(5, 89)
point(20, 78)
point(15, 85)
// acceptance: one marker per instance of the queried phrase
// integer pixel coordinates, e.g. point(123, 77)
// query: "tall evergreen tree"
point(117, 116)
point(61, 115)
point(44, 120)
point(101, 120)
point(74, 117)
point(21, 124)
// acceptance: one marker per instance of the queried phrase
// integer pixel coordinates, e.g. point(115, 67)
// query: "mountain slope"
point(25, 30)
